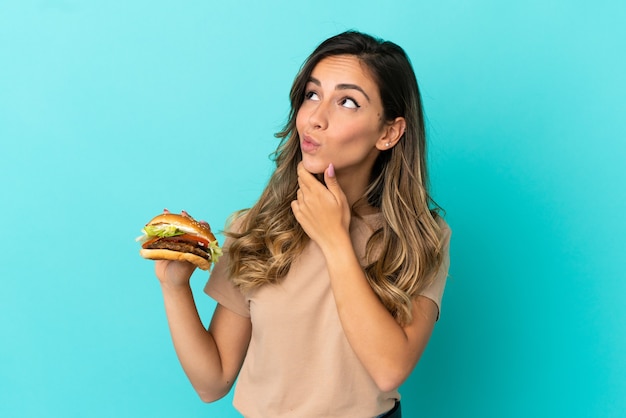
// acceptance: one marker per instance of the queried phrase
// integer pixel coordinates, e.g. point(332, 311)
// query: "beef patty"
point(180, 246)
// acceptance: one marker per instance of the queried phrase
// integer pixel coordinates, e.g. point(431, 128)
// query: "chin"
point(314, 167)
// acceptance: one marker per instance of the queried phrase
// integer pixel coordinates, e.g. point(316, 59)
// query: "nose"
point(318, 116)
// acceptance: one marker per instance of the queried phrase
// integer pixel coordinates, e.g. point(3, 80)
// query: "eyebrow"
point(343, 86)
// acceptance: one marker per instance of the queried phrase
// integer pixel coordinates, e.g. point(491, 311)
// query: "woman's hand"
point(323, 212)
point(173, 273)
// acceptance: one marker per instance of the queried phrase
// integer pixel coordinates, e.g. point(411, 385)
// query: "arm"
point(210, 358)
point(387, 350)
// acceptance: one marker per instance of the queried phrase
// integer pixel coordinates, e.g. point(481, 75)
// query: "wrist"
point(177, 287)
point(336, 246)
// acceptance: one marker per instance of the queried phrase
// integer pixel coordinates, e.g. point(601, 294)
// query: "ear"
point(392, 132)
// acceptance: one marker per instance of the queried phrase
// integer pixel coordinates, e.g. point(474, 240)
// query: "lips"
point(308, 144)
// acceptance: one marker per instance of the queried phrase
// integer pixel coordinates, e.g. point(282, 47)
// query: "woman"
point(331, 283)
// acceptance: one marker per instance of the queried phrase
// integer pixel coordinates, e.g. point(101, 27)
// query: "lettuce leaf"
point(215, 250)
point(162, 231)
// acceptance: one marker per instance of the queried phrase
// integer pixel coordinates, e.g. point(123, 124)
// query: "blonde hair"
point(404, 254)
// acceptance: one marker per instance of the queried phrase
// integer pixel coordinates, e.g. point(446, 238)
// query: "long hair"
point(404, 254)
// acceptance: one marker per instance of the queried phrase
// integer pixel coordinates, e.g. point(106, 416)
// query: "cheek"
point(299, 119)
point(357, 135)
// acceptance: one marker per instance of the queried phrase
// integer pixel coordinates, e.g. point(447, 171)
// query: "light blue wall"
point(112, 110)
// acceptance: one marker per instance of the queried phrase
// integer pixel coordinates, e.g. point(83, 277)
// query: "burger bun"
point(185, 223)
point(162, 254)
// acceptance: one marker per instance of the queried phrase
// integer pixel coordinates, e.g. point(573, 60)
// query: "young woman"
point(330, 285)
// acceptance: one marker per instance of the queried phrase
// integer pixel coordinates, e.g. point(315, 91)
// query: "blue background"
point(112, 110)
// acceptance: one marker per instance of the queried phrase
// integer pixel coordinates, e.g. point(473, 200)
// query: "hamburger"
point(171, 236)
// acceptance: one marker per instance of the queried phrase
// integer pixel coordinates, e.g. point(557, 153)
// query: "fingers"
point(331, 182)
point(174, 273)
point(306, 180)
point(309, 185)
point(320, 210)
point(295, 208)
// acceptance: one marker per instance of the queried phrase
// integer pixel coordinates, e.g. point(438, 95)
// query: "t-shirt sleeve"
point(221, 289)
point(435, 290)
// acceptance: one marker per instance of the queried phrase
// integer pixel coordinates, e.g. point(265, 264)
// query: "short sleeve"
point(222, 290)
point(435, 290)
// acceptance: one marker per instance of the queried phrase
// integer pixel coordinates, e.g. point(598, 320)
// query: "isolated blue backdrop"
point(112, 110)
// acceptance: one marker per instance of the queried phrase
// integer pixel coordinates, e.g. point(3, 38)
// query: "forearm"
point(195, 346)
point(387, 350)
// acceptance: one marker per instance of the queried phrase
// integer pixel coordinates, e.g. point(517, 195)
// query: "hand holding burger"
point(171, 236)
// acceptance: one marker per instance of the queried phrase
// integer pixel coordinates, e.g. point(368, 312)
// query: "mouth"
point(308, 144)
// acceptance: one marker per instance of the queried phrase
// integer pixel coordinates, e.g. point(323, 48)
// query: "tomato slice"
point(201, 242)
point(193, 238)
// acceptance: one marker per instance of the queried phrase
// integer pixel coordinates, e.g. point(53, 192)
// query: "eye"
point(311, 95)
point(349, 103)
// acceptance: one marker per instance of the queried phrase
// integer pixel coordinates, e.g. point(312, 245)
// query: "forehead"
point(344, 69)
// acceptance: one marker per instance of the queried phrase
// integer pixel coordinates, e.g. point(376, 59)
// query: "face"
point(341, 118)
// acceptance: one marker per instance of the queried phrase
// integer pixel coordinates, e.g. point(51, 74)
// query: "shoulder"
point(445, 234)
point(236, 222)
point(444, 227)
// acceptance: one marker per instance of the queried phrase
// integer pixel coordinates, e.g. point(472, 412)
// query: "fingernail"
point(331, 170)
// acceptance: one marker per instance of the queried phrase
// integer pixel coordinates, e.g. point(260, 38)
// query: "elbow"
point(211, 390)
point(390, 380)
point(392, 374)
point(388, 385)
point(208, 395)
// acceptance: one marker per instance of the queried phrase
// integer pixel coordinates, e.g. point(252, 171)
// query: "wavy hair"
point(404, 253)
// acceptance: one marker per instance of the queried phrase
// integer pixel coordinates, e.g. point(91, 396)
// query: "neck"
point(354, 187)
